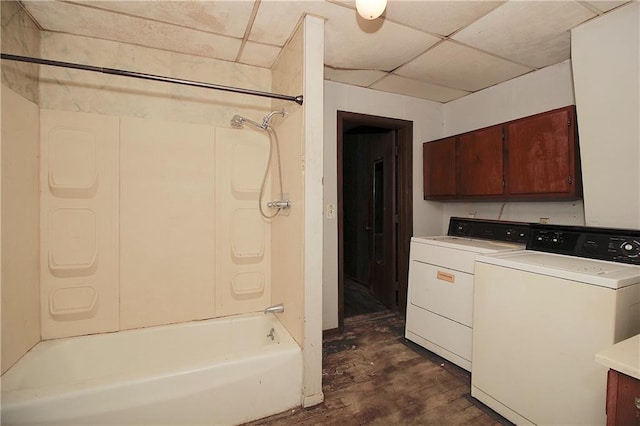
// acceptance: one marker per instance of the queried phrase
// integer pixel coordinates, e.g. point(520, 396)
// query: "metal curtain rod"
point(296, 99)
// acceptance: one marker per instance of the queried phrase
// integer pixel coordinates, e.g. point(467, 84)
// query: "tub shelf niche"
point(248, 285)
point(247, 236)
point(73, 249)
point(73, 163)
point(73, 303)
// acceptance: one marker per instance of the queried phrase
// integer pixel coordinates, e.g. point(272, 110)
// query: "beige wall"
point(19, 281)
point(296, 237)
point(20, 239)
point(75, 90)
point(20, 36)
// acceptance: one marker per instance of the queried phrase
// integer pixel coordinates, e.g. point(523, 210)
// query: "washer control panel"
point(611, 244)
point(497, 230)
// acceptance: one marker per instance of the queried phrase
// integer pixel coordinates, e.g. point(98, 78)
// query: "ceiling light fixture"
point(370, 9)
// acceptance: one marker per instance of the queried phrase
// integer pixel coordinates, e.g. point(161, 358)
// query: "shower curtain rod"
point(296, 99)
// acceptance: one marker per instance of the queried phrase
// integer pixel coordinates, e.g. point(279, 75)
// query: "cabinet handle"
point(637, 403)
point(450, 278)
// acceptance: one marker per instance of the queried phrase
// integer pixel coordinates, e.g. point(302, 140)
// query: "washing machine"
point(441, 275)
point(541, 315)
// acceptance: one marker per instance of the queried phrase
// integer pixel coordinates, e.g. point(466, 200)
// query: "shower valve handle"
point(279, 204)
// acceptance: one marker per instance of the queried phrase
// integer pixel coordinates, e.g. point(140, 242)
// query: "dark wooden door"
point(540, 152)
point(439, 173)
point(480, 162)
point(356, 200)
point(382, 213)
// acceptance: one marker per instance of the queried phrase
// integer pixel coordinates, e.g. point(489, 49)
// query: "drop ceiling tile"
point(74, 19)
point(440, 17)
point(605, 5)
point(350, 41)
point(460, 67)
point(276, 20)
point(220, 17)
point(375, 45)
point(362, 78)
point(259, 55)
point(418, 89)
point(520, 30)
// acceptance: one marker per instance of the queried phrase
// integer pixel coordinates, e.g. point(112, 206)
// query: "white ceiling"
point(437, 50)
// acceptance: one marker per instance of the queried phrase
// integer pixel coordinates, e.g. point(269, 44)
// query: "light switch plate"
point(331, 211)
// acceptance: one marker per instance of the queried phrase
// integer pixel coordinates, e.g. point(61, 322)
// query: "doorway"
point(374, 208)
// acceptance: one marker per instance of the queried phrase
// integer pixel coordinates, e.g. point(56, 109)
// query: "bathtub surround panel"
point(222, 371)
point(78, 223)
point(76, 90)
point(287, 242)
point(20, 313)
point(20, 36)
point(287, 239)
point(167, 213)
point(243, 253)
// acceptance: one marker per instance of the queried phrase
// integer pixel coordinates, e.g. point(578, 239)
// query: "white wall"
point(313, 170)
point(606, 61)
point(427, 125)
point(536, 92)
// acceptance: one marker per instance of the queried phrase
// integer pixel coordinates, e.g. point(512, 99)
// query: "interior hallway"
point(372, 375)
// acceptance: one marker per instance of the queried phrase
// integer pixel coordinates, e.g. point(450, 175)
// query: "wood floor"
point(373, 376)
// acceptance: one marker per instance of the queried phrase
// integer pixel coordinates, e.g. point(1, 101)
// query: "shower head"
point(238, 121)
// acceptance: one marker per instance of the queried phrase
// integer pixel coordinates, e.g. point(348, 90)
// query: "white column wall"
point(606, 58)
point(427, 125)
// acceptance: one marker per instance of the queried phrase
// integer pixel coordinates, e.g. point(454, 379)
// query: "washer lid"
point(468, 244)
point(596, 272)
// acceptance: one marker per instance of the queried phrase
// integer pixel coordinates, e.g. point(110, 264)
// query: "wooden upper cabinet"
point(541, 156)
point(532, 158)
point(480, 163)
point(439, 168)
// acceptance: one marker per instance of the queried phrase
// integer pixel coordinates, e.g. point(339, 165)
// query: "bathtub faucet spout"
point(279, 308)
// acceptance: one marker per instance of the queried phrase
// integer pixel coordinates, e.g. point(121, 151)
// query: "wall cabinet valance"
point(532, 158)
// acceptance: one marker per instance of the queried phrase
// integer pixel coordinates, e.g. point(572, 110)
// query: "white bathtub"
point(221, 371)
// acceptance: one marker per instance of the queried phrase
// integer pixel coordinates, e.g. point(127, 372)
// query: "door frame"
point(404, 134)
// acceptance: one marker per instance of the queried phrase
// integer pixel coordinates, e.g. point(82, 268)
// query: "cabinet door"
point(541, 155)
point(480, 163)
point(439, 173)
point(623, 399)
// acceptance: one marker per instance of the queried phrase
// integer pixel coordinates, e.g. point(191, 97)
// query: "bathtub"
point(221, 371)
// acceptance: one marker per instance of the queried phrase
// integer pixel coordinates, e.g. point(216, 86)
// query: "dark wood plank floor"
point(372, 375)
point(358, 300)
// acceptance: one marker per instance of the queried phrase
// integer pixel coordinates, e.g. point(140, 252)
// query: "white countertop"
point(623, 357)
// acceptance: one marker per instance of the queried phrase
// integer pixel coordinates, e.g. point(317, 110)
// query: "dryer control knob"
point(630, 248)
